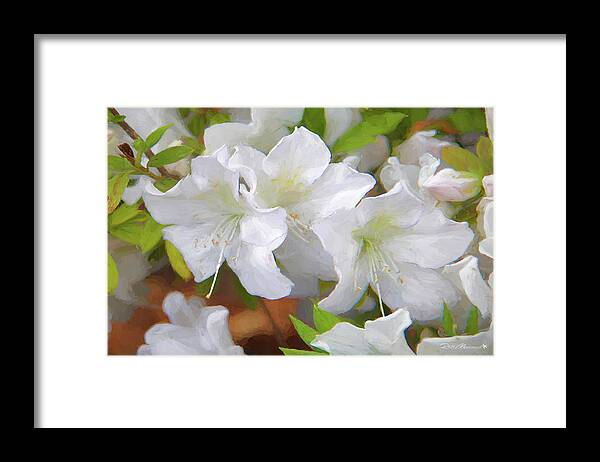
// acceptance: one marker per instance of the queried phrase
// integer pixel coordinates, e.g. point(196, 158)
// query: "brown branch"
point(134, 136)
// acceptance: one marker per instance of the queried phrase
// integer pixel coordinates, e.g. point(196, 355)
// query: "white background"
point(522, 385)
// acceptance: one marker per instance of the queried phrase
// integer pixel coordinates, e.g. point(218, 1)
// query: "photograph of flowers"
point(300, 231)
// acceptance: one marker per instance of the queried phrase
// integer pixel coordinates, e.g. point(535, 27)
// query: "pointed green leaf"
point(124, 213)
point(314, 120)
point(324, 320)
point(129, 232)
point(467, 120)
point(462, 160)
point(170, 155)
point(139, 145)
point(156, 135)
point(151, 235)
point(116, 186)
point(249, 301)
point(117, 164)
point(113, 275)
point(215, 117)
point(306, 333)
point(177, 262)
point(165, 184)
point(473, 321)
point(448, 322)
point(114, 119)
point(365, 132)
point(485, 152)
point(293, 352)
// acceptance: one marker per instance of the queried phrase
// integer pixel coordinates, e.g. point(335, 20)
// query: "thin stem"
point(134, 136)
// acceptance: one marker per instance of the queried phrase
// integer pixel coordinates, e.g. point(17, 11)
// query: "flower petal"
point(374, 154)
point(264, 227)
point(228, 133)
point(338, 121)
point(198, 245)
point(343, 339)
point(298, 158)
point(217, 327)
point(432, 242)
point(179, 205)
point(180, 311)
point(277, 117)
point(394, 171)
point(399, 205)
point(386, 334)
point(352, 283)
point(466, 277)
point(411, 150)
point(340, 187)
point(421, 291)
point(134, 193)
point(257, 271)
point(305, 261)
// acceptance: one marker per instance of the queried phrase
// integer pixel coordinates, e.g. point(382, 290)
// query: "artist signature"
point(462, 346)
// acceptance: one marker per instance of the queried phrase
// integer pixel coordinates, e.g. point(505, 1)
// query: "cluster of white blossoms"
point(267, 199)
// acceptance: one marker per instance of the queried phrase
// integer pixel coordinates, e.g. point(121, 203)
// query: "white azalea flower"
point(297, 176)
point(485, 219)
point(193, 330)
point(212, 222)
point(413, 176)
point(394, 244)
point(411, 150)
point(383, 336)
point(481, 343)
point(449, 185)
point(473, 289)
point(266, 128)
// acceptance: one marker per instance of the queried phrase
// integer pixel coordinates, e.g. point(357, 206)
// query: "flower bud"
point(452, 186)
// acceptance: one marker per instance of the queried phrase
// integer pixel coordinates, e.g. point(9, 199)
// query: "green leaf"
point(249, 301)
point(197, 124)
point(202, 288)
point(170, 155)
point(364, 133)
point(129, 232)
point(177, 262)
point(448, 322)
point(184, 111)
point(114, 119)
point(165, 184)
point(462, 160)
point(193, 143)
point(294, 352)
point(314, 120)
point(306, 333)
point(485, 152)
point(156, 135)
point(472, 321)
point(118, 164)
point(113, 275)
point(214, 118)
point(468, 120)
point(150, 236)
point(124, 213)
point(324, 320)
point(139, 145)
point(116, 186)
